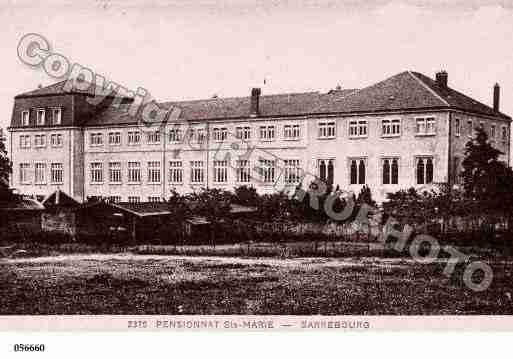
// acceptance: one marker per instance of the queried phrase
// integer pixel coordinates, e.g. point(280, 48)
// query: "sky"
point(197, 49)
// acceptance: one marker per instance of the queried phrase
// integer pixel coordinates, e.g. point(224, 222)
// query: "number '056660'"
point(29, 347)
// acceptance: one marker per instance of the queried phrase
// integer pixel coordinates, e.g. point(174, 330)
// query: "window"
point(96, 139)
point(40, 173)
point(56, 116)
point(267, 169)
point(267, 133)
point(114, 199)
point(425, 126)
point(134, 199)
point(357, 129)
point(24, 173)
point(327, 129)
point(56, 172)
point(96, 172)
point(40, 117)
point(56, 140)
point(357, 171)
point(154, 199)
point(24, 141)
point(243, 171)
point(197, 135)
point(292, 171)
point(197, 172)
point(457, 127)
point(153, 137)
point(243, 133)
point(25, 118)
point(220, 134)
point(114, 138)
point(134, 172)
point(40, 141)
point(220, 171)
point(134, 137)
point(390, 170)
point(424, 168)
point(326, 170)
point(291, 132)
point(504, 135)
point(493, 132)
point(154, 172)
point(470, 129)
point(175, 172)
point(115, 172)
point(175, 135)
point(390, 128)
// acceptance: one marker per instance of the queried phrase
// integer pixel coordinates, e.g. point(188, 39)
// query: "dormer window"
point(25, 118)
point(56, 116)
point(40, 117)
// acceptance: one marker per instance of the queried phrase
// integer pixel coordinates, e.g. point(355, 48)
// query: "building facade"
point(406, 131)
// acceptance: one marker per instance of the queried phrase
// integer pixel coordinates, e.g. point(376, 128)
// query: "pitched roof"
point(58, 89)
point(228, 108)
point(406, 91)
point(59, 199)
point(457, 99)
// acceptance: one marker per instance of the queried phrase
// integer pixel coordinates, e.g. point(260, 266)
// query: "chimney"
point(496, 97)
point(441, 79)
point(255, 102)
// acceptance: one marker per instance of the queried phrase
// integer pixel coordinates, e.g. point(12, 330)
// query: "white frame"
point(23, 113)
point(59, 111)
point(40, 116)
point(52, 172)
point(326, 123)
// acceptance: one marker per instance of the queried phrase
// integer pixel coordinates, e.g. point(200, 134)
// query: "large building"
point(408, 130)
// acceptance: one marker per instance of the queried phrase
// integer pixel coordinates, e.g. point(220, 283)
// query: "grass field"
point(126, 283)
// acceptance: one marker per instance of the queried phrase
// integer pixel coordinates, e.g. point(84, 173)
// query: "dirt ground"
point(166, 284)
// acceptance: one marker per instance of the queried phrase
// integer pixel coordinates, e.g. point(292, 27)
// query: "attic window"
point(25, 115)
point(40, 117)
point(56, 116)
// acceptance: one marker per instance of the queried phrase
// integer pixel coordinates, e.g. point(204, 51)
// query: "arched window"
point(330, 172)
point(322, 170)
point(420, 171)
point(395, 171)
point(361, 172)
point(429, 170)
point(386, 171)
point(353, 172)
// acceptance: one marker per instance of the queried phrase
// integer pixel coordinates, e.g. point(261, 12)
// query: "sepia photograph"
point(227, 164)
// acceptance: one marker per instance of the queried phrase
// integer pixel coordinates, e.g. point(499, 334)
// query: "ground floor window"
point(56, 173)
point(153, 199)
point(134, 199)
point(96, 172)
point(425, 169)
point(40, 173)
point(267, 170)
point(390, 170)
point(134, 172)
point(357, 171)
point(175, 172)
point(114, 199)
point(292, 171)
point(326, 170)
point(220, 171)
point(154, 172)
point(24, 173)
point(197, 172)
point(243, 171)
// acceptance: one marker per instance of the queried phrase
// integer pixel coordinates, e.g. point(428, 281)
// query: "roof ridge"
point(429, 89)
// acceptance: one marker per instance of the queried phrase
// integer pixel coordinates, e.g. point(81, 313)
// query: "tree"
point(365, 196)
point(485, 178)
point(5, 171)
